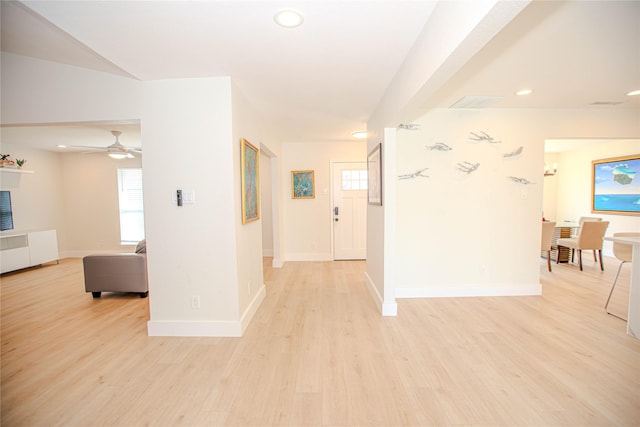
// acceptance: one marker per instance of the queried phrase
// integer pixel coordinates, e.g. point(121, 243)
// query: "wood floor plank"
point(318, 353)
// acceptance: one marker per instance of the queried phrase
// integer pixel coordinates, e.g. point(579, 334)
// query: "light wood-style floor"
point(318, 353)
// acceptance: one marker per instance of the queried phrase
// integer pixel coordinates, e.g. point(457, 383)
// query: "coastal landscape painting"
point(616, 185)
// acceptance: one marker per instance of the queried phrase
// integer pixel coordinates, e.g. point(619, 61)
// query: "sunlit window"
point(354, 179)
point(131, 206)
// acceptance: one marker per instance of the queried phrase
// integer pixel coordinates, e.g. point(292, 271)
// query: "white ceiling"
point(322, 81)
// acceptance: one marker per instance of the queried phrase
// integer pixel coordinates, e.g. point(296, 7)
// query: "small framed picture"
point(303, 185)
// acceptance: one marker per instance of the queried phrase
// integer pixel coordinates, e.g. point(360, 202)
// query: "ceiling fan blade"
point(89, 147)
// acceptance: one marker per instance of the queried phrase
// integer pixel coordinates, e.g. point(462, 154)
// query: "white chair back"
point(591, 234)
point(623, 251)
point(582, 220)
point(547, 235)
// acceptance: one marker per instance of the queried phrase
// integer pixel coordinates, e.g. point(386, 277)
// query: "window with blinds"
point(131, 206)
point(6, 214)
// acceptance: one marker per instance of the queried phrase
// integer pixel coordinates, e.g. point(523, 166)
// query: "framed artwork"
point(250, 159)
point(615, 185)
point(303, 185)
point(374, 171)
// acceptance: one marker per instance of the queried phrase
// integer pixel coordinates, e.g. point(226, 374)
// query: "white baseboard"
point(390, 309)
point(308, 257)
point(277, 263)
point(469, 291)
point(251, 310)
point(206, 328)
point(386, 308)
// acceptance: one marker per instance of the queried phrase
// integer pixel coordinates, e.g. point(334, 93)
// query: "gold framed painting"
point(374, 174)
point(250, 159)
point(303, 185)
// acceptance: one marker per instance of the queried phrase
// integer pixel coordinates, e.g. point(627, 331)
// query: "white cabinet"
point(14, 252)
point(43, 246)
point(27, 249)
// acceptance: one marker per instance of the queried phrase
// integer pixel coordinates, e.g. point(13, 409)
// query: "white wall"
point(550, 189)
point(307, 235)
point(478, 234)
point(251, 290)
point(574, 185)
point(90, 195)
point(36, 198)
point(266, 204)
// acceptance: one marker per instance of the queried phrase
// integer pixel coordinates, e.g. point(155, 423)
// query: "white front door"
point(349, 210)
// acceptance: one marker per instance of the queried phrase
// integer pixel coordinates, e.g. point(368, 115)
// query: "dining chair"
point(548, 228)
point(581, 221)
point(623, 252)
point(589, 238)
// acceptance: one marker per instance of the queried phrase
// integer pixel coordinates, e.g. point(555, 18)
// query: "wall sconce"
point(552, 172)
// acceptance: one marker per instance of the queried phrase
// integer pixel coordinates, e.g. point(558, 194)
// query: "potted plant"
point(20, 162)
point(4, 160)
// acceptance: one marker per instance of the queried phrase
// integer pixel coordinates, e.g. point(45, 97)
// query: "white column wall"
point(186, 131)
point(454, 33)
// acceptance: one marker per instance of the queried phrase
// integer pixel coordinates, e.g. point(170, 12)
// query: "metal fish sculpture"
point(483, 137)
point(519, 180)
point(439, 146)
point(514, 153)
point(467, 167)
point(416, 174)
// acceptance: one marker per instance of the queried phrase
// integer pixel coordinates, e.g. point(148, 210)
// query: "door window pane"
point(354, 179)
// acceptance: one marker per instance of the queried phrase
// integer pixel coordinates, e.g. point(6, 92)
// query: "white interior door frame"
point(275, 206)
point(335, 165)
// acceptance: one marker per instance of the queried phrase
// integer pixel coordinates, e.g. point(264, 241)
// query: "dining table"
point(633, 313)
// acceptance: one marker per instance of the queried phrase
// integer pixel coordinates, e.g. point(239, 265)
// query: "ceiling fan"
point(115, 150)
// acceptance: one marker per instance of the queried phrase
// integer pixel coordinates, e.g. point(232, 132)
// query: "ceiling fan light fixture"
point(288, 18)
point(634, 93)
point(119, 156)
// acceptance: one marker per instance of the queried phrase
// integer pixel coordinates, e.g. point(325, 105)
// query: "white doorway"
point(269, 206)
point(349, 184)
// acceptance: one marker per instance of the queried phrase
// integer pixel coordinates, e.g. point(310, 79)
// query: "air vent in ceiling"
point(476, 101)
point(609, 103)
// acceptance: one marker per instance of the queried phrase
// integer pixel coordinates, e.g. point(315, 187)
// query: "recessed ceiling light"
point(634, 93)
point(359, 135)
point(524, 92)
point(288, 18)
